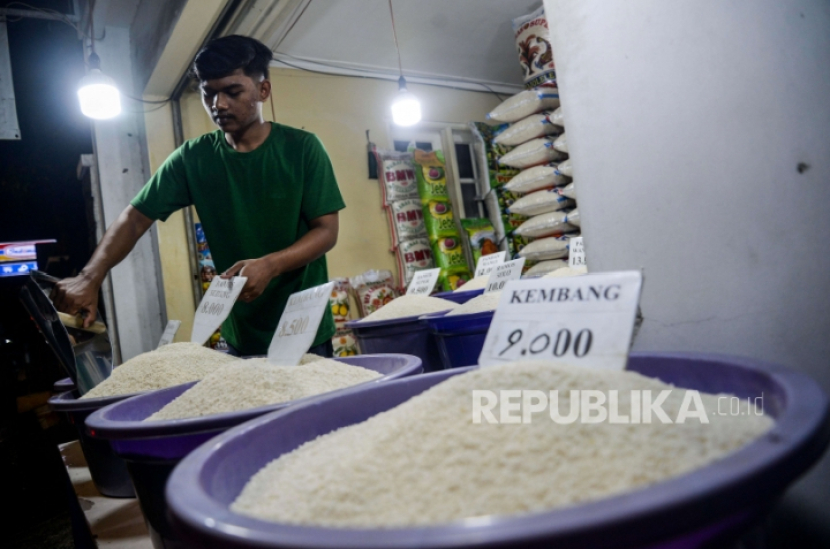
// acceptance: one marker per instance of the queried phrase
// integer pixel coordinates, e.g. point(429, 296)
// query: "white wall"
point(687, 121)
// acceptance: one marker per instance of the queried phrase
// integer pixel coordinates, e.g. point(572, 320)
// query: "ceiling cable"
point(395, 34)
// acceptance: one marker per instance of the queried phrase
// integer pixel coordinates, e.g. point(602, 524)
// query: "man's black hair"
point(221, 56)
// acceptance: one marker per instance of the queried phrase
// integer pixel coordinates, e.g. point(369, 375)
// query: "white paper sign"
point(487, 263)
point(586, 320)
point(169, 332)
point(502, 274)
point(576, 252)
point(423, 282)
point(298, 325)
point(215, 306)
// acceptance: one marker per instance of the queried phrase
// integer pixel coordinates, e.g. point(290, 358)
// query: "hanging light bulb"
point(97, 92)
point(406, 109)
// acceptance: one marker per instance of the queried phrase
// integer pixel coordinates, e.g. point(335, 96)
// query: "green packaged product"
point(506, 198)
point(448, 253)
point(482, 237)
point(439, 220)
point(450, 280)
point(431, 176)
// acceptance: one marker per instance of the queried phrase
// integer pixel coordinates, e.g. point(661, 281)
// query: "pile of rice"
point(478, 304)
point(478, 283)
point(373, 474)
point(567, 271)
point(167, 366)
point(256, 382)
point(410, 305)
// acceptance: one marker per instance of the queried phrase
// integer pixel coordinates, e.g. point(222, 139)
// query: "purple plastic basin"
point(152, 449)
point(460, 338)
point(690, 511)
point(63, 385)
point(460, 297)
point(398, 335)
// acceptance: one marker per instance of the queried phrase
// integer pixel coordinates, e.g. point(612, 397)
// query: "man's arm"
point(73, 295)
point(321, 237)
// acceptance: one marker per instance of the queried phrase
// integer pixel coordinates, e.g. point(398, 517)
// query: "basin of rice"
point(479, 304)
point(372, 474)
point(167, 366)
point(255, 382)
point(410, 305)
point(477, 283)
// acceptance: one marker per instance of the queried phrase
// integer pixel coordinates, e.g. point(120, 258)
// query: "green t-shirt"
point(251, 204)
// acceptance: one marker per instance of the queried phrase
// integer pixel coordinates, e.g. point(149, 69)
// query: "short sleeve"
point(165, 192)
point(321, 195)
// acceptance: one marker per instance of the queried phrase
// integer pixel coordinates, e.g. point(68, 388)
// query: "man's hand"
point(76, 295)
point(259, 273)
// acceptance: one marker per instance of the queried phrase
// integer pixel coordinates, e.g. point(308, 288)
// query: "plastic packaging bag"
point(482, 237)
point(344, 343)
point(431, 176)
point(413, 256)
point(548, 224)
point(545, 267)
point(339, 300)
point(439, 220)
point(406, 220)
point(536, 178)
point(449, 253)
point(373, 289)
point(535, 125)
point(540, 202)
point(573, 218)
point(534, 46)
point(534, 152)
point(568, 191)
point(566, 168)
point(397, 176)
point(450, 280)
point(551, 247)
point(556, 117)
point(525, 103)
point(561, 143)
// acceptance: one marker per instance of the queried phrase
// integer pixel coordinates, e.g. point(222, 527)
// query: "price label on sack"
point(423, 282)
point(487, 263)
point(576, 252)
point(215, 306)
point(504, 273)
point(298, 325)
point(169, 332)
point(586, 320)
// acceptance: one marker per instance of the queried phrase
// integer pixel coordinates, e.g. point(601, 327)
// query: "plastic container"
point(460, 338)
point(152, 449)
point(398, 335)
point(63, 385)
point(108, 470)
point(460, 297)
point(709, 506)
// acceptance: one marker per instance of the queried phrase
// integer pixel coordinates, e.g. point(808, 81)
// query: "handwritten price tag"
point(576, 252)
point(487, 263)
point(298, 325)
point(169, 332)
point(215, 306)
point(502, 274)
point(585, 320)
point(423, 282)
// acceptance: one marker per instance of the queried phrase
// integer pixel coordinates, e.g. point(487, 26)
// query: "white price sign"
point(298, 325)
point(586, 320)
point(215, 306)
point(502, 274)
point(423, 282)
point(487, 263)
point(169, 332)
point(576, 252)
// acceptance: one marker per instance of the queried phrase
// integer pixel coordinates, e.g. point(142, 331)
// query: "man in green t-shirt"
point(265, 193)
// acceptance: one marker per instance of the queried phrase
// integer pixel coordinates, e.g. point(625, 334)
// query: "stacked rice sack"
point(402, 201)
point(542, 194)
point(343, 342)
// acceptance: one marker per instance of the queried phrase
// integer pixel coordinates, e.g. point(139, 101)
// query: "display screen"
point(19, 258)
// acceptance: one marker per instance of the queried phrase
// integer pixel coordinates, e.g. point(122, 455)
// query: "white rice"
point(425, 462)
point(256, 382)
point(477, 283)
point(568, 271)
point(410, 305)
point(167, 366)
point(479, 304)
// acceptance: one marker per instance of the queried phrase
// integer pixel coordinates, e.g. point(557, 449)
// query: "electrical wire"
point(395, 34)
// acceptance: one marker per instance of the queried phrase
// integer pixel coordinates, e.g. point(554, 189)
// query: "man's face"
point(233, 101)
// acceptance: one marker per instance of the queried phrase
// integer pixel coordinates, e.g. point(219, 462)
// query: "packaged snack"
point(339, 300)
point(540, 202)
point(431, 176)
point(548, 224)
point(439, 220)
point(413, 256)
point(573, 218)
point(525, 103)
point(566, 168)
point(344, 343)
point(561, 143)
point(449, 253)
point(568, 190)
point(499, 175)
point(535, 178)
point(482, 237)
point(534, 152)
point(551, 247)
point(397, 176)
point(545, 267)
point(535, 125)
point(406, 220)
point(450, 280)
point(373, 289)
point(534, 46)
point(556, 117)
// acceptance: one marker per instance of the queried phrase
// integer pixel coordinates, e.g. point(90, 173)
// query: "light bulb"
point(406, 109)
point(98, 95)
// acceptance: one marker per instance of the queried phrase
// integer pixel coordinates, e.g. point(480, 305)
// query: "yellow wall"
point(340, 110)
